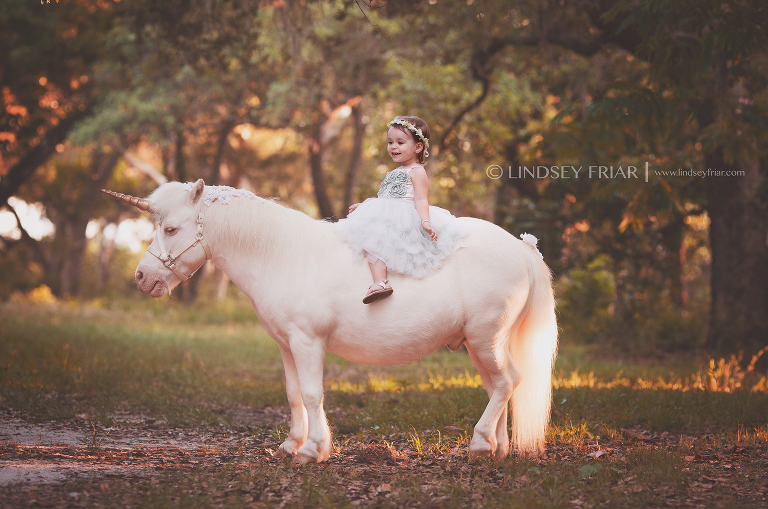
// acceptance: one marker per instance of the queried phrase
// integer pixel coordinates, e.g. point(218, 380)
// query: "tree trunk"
point(106, 249)
point(316, 150)
point(739, 316)
point(191, 287)
point(102, 167)
point(72, 263)
point(354, 160)
point(179, 159)
point(215, 174)
point(511, 187)
point(672, 239)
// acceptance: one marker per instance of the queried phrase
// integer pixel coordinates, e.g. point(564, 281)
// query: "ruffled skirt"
point(389, 229)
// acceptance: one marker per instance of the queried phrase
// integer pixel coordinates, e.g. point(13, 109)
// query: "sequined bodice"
point(397, 184)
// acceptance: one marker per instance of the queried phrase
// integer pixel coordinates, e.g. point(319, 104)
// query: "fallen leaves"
point(375, 453)
point(634, 435)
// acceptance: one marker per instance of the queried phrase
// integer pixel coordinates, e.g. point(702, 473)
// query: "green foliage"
point(47, 58)
point(584, 301)
point(586, 471)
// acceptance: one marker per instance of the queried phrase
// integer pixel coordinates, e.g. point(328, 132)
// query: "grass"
point(673, 433)
point(60, 361)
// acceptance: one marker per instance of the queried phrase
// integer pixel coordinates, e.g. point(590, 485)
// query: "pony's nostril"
point(139, 275)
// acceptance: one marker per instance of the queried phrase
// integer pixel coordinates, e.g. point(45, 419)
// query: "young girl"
point(399, 229)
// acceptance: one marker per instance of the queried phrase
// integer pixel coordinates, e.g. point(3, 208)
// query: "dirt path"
point(51, 452)
point(74, 464)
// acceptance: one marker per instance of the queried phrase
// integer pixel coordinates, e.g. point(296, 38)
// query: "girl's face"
point(402, 147)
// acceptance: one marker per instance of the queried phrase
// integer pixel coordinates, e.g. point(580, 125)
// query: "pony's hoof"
point(313, 452)
point(284, 452)
point(480, 454)
point(303, 459)
point(481, 448)
point(501, 452)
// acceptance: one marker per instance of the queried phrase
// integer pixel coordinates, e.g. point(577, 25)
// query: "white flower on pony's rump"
point(532, 241)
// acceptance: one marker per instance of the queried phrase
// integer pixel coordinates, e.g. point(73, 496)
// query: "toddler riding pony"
point(493, 294)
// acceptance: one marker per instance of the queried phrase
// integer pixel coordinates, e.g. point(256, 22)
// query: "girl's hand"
point(429, 229)
point(353, 207)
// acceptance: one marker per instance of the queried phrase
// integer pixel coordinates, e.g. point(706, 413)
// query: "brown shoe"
point(374, 295)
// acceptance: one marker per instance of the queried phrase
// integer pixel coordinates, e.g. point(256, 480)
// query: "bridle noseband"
point(169, 260)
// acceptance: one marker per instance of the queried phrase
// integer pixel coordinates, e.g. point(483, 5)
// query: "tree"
point(707, 56)
point(47, 60)
point(47, 57)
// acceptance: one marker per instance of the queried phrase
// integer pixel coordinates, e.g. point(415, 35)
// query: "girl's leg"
point(378, 270)
point(379, 273)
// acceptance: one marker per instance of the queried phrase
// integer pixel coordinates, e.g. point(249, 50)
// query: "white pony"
point(493, 294)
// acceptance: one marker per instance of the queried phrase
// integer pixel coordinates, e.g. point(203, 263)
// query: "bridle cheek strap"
point(169, 260)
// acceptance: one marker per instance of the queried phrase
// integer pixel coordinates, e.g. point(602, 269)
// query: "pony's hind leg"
point(501, 448)
point(298, 432)
point(499, 380)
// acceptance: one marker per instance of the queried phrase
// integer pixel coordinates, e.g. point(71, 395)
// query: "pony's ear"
point(197, 191)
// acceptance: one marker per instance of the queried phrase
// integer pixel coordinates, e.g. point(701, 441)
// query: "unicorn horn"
point(139, 203)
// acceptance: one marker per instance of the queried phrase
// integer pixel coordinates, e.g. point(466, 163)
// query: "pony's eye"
point(170, 230)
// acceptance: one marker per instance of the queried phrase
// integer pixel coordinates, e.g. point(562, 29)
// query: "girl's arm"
point(420, 191)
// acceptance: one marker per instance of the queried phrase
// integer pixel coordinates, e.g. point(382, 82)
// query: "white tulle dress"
point(388, 228)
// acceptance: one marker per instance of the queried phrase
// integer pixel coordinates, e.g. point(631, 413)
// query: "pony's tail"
point(533, 350)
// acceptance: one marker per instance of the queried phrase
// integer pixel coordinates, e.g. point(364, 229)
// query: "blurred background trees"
point(291, 100)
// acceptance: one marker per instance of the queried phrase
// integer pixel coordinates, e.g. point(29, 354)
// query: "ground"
point(118, 408)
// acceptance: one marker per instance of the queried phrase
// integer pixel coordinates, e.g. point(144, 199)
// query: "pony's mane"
point(244, 224)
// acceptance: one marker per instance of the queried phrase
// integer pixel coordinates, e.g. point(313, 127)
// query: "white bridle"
point(169, 260)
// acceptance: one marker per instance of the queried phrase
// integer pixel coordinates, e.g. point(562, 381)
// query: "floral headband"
point(414, 130)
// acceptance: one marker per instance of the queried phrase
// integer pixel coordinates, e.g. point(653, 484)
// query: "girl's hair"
point(420, 124)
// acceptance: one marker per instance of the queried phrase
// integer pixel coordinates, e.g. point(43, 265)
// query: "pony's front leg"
point(298, 433)
point(309, 355)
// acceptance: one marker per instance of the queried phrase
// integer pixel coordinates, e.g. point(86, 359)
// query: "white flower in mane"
point(222, 194)
point(531, 241)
